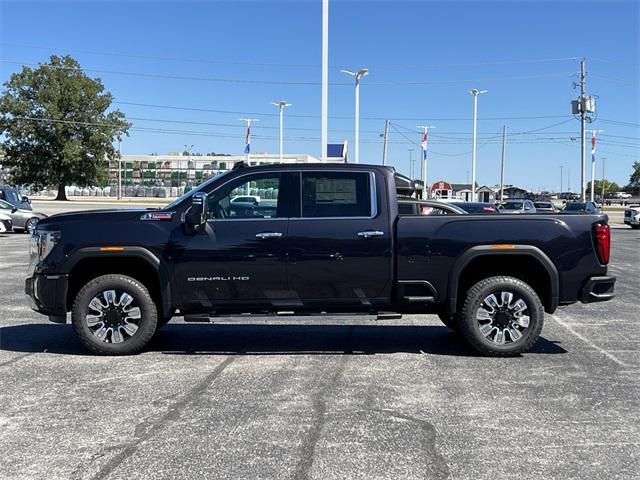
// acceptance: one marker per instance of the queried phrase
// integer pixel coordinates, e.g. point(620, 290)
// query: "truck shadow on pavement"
point(263, 339)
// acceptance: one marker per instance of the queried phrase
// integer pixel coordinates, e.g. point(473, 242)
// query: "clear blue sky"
point(436, 44)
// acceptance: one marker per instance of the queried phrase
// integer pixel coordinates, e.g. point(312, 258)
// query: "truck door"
point(240, 259)
point(340, 243)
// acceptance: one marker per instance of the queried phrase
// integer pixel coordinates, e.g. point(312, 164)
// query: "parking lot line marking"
point(589, 342)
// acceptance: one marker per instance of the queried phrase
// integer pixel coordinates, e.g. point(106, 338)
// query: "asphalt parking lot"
point(399, 399)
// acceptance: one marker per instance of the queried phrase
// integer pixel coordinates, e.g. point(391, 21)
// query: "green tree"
point(608, 186)
point(56, 125)
point(634, 180)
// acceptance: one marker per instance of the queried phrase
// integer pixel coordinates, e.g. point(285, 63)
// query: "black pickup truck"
point(312, 239)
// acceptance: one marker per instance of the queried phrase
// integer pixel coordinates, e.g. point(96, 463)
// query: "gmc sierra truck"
point(312, 239)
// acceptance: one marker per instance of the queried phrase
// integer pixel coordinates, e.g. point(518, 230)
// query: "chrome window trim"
point(372, 190)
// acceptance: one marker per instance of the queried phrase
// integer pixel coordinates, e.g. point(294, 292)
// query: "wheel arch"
point(505, 260)
point(137, 262)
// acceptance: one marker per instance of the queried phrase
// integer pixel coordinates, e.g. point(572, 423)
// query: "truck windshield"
point(180, 199)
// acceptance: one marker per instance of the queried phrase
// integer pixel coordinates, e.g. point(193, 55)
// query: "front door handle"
point(370, 233)
point(265, 235)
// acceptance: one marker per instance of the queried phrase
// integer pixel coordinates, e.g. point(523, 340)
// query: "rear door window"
point(336, 194)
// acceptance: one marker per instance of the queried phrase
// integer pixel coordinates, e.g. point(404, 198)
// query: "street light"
point(475, 92)
point(410, 163)
point(281, 104)
point(357, 75)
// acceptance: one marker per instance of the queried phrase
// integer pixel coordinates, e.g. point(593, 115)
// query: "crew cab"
point(632, 216)
point(319, 238)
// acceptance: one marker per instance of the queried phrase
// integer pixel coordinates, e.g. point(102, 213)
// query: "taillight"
point(602, 240)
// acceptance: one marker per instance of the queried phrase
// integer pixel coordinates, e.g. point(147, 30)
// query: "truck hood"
point(114, 215)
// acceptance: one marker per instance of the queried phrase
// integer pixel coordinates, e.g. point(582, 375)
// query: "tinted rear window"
point(512, 206)
point(336, 194)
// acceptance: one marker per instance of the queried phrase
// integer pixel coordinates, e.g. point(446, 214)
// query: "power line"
point(337, 117)
point(287, 82)
point(295, 65)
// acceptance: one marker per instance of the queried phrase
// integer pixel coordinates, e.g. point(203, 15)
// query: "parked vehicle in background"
point(476, 208)
point(632, 216)
point(589, 208)
point(545, 207)
point(413, 206)
point(13, 196)
point(334, 243)
point(517, 206)
point(22, 219)
point(5, 223)
point(569, 196)
point(623, 195)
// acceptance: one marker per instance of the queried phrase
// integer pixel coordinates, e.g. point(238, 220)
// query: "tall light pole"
point(475, 92)
point(561, 167)
point(247, 143)
point(593, 163)
point(281, 104)
point(325, 79)
point(120, 170)
point(410, 163)
point(188, 148)
point(502, 159)
point(602, 199)
point(357, 75)
point(423, 162)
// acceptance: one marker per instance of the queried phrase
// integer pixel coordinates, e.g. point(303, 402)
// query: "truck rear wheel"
point(501, 316)
point(114, 315)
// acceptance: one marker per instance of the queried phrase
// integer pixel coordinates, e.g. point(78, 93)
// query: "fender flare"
point(145, 254)
point(489, 250)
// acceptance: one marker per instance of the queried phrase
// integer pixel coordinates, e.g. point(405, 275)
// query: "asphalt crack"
point(147, 429)
point(319, 406)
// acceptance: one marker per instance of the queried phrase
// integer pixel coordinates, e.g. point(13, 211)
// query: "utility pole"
point(384, 147)
point(423, 161)
point(504, 146)
point(475, 92)
point(325, 79)
point(357, 76)
point(569, 180)
point(281, 105)
point(561, 167)
point(119, 170)
point(583, 125)
point(411, 163)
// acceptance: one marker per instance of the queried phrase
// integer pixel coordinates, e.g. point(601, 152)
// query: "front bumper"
point(598, 289)
point(48, 294)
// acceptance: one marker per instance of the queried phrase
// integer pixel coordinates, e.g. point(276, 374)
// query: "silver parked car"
point(22, 219)
point(517, 206)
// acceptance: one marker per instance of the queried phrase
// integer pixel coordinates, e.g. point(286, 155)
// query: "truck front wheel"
point(501, 316)
point(114, 315)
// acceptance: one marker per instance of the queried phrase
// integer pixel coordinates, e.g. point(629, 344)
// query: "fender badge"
point(160, 216)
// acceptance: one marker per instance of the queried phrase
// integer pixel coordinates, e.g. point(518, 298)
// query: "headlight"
point(42, 242)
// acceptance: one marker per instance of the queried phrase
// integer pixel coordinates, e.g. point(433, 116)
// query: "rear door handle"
point(265, 235)
point(370, 233)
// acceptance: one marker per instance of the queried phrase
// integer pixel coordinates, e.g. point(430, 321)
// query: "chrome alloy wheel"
point(113, 320)
point(503, 318)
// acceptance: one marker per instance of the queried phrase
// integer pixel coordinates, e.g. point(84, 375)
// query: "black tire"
point(450, 320)
point(635, 227)
point(30, 225)
point(470, 326)
point(129, 344)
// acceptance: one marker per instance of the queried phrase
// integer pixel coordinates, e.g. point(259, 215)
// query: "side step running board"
point(285, 316)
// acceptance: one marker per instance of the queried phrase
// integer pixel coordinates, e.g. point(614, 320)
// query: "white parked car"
point(5, 223)
point(632, 216)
